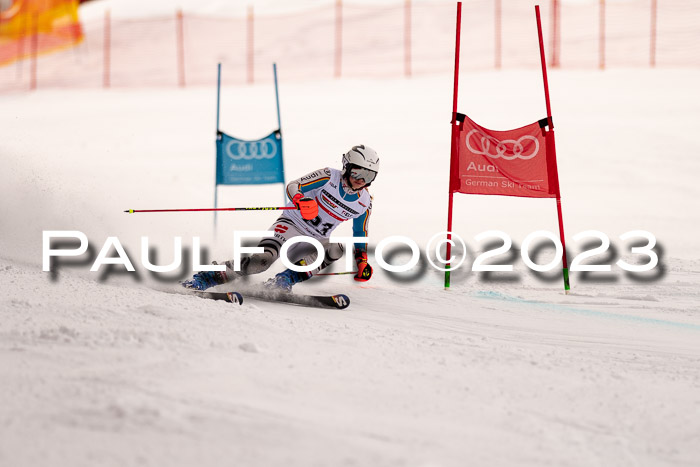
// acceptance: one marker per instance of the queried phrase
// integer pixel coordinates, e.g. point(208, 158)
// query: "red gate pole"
point(565, 263)
point(407, 38)
point(453, 149)
point(338, 37)
point(251, 45)
point(497, 27)
point(106, 51)
point(601, 39)
point(180, 35)
point(652, 41)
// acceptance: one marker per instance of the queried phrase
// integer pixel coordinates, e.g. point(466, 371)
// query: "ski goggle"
point(365, 174)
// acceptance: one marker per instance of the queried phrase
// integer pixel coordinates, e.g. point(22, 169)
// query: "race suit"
point(337, 203)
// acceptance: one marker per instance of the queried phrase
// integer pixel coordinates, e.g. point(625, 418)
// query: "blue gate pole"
point(218, 99)
point(279, 126)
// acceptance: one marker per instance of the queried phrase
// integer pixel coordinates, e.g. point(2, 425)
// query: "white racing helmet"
point(361, 162)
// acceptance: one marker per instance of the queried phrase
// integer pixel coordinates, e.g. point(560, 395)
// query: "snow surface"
point(108, 368)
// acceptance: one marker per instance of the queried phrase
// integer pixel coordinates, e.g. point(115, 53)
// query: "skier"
point(341, 195)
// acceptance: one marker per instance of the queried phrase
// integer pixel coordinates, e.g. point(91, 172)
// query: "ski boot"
point(284, 281)
point(205, 279)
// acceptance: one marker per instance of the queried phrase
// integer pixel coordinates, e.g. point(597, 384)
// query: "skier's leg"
point(255, 263)
point(332, 253)
point(283, 229)
point(285, 280)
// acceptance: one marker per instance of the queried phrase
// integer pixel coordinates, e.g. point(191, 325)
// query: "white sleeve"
point(308, 182)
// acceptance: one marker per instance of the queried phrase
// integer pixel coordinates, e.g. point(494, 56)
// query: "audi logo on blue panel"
point(247, 150)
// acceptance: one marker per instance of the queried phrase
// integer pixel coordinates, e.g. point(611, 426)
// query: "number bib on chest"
point(334, 206)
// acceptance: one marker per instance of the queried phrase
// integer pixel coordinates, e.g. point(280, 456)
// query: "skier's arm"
point(296, 190)
point(359, 229)
point(308, 182)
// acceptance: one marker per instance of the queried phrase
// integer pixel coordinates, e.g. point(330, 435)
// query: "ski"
point(339, 301)
point(232, 297)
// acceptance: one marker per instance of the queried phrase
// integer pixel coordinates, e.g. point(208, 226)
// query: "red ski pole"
point(131, 211)
point(335, 273)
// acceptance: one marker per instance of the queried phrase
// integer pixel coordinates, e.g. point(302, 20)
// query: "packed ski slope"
point(108, 368)
point(102, 374)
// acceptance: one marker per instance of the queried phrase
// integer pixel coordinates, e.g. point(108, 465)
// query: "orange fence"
point(345, 40)
point(29, 28)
